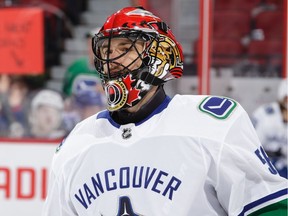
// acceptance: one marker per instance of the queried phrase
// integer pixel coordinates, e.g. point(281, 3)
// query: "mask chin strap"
point(149, 78)
point(144, 75)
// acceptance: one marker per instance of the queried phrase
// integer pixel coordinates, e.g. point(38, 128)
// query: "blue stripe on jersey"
point(159, 109)
point(263, 200)
point(105, 114)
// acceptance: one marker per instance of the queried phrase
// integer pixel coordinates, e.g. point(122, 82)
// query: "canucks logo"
point(218, 107)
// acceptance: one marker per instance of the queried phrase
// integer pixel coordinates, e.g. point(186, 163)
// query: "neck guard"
point(124, 117)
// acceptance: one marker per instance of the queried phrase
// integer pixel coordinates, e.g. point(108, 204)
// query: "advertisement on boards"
point(24, 176)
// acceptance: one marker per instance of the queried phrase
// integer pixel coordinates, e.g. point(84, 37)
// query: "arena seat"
point(238, 5)
point(271, 22)
point(225, 52)
point(231, 24)
point(278, 3)
point(265, 52)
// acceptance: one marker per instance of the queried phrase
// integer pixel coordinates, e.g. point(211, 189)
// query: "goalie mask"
point(135, 50)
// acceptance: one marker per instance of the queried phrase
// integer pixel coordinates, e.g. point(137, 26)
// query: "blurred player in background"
point(84, 95)
point(149, 154)
point(270, 121)
point(46, 115)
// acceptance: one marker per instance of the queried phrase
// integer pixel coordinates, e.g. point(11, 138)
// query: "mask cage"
point(133, 35)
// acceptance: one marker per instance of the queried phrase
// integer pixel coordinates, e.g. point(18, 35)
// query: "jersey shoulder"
point(207, 116)
point(216, 107)
point(82, 137)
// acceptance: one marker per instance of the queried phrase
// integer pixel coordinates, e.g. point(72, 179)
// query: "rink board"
point(24, 173)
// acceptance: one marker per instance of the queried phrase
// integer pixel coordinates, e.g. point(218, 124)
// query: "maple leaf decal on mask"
point(133, 93)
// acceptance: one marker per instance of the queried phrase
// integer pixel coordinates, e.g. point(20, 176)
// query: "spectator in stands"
point(46, 115)
point(80, 65)
point(85, 99)
point(270, 121)
point(3, 122)
point(5, 81)
point(82, 88)
point(14, 106)
point(4, 86)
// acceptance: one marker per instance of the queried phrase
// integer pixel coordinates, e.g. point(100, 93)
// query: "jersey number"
point(261, 154)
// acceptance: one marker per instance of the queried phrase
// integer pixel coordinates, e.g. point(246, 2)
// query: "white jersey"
point(194, 155)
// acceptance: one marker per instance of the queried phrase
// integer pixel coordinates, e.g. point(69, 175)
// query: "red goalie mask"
point(135, 50)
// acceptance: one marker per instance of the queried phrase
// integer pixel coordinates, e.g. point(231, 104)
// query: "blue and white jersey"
point(194, 155)
point(272, 132)
point(270, 127)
